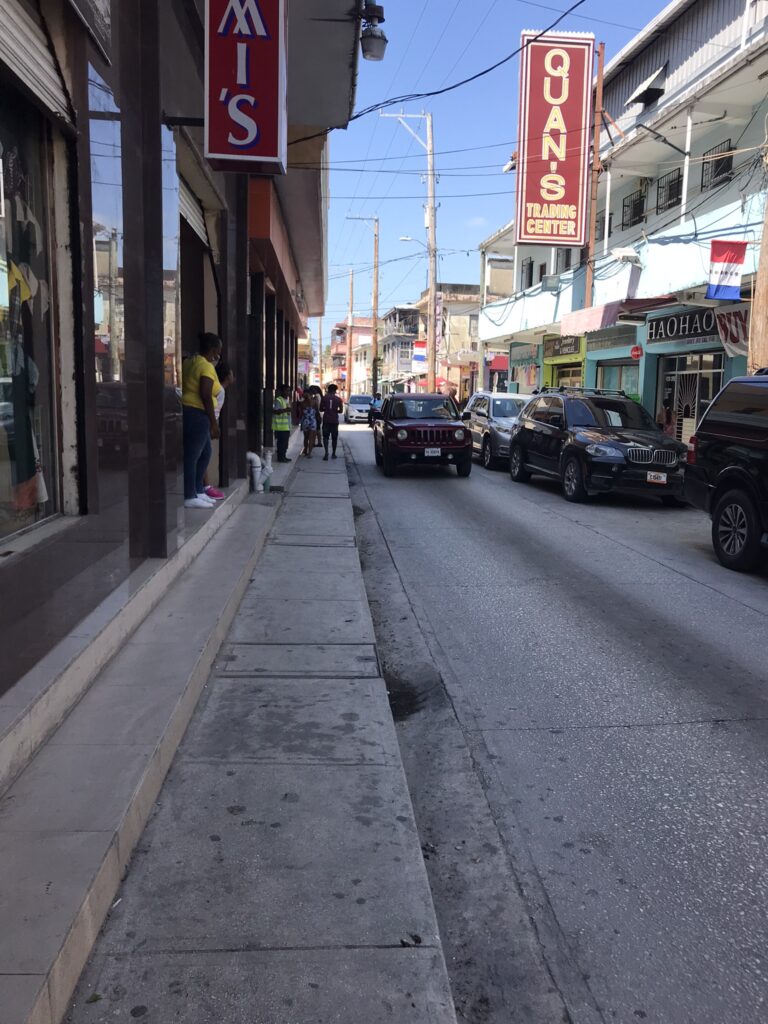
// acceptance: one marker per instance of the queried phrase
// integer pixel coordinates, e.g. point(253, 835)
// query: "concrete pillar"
point(143, 277)
point(255, 376)
point(270, 365)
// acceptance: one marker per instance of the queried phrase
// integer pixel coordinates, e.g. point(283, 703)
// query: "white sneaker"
point(204, 497)
point(198, 503)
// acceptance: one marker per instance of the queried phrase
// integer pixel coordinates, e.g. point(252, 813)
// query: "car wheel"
point(486, 454)
point(573, 481)
point(672, 502)
point(464, 466)
point(388, 464)
point(517, 470)
point(736, 532)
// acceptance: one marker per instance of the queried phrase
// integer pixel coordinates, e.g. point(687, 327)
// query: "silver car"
point(492, 417)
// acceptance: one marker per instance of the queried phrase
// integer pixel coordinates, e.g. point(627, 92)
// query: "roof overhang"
point(323, 56)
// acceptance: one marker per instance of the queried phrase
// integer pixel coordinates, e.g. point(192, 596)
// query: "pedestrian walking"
point(331, 407)
point(309, 425)
point(281, 422)
point(200, 388)
point(667, 419)
point(375, 407)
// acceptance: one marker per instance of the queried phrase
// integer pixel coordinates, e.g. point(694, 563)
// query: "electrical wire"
point(414, 97)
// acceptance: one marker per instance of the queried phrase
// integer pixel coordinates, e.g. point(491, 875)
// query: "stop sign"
point(636, 352)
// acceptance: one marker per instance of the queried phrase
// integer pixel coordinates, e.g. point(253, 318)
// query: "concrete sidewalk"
point(280, 878)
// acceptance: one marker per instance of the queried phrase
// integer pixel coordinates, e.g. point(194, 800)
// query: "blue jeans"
point(197, 450)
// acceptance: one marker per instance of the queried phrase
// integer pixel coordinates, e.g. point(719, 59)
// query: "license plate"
point(433, 451)
point(656, 478)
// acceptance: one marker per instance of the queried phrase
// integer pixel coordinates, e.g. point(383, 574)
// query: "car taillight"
point(691, 459)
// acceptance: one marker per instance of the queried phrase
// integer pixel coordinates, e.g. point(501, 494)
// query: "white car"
point(357, 409)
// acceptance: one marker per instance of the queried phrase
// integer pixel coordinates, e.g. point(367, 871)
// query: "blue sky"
point(377, 167)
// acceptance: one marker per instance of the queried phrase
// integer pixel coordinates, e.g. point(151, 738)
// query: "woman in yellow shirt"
point(199, 388)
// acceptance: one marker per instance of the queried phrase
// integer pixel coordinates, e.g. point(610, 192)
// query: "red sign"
point(245, 85)
point(554, 127)
point(636, 352)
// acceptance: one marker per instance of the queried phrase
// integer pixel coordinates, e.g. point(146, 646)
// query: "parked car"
point(727, 472)
point(594, 441)
point(418, 429)
point(492, 417)
point(357, 408)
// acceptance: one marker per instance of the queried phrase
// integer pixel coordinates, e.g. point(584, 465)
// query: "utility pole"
point(374, 301)
point(114, 350)
point(320, 350)
point(432, 246)
point(429, 146)
point(591, 245)
point(350, 322)
point(758, 322)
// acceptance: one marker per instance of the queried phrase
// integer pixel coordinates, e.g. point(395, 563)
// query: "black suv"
point(727, 472)
point(595, 441)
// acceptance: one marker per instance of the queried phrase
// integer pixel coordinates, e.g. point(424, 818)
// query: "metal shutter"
point(24, 49)
point(191, 209)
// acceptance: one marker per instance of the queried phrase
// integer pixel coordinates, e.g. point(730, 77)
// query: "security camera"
point(626, 255)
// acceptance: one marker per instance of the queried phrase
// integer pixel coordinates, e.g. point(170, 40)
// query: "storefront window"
point(624, 378)
point(27, 452)
point(690, 383)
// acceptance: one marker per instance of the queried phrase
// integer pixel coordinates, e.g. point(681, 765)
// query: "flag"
point(419, 359)
point(733, 328)
point(726, 261)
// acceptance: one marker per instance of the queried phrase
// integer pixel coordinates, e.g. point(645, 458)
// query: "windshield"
point(438, 407)
point(505, 408)
point(361, 399)
point(609, 413)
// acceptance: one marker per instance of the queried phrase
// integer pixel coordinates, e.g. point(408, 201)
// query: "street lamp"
point(373, 41)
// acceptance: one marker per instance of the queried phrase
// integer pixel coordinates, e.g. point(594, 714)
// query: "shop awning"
point(499, 364)
point(594, 318)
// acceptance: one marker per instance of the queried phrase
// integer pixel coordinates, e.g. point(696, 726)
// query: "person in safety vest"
point(281, 422)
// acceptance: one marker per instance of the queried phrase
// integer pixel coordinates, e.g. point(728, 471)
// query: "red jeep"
point(412, 429)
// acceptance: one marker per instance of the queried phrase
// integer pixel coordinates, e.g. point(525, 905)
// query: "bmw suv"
point(727, 474)
point(595, 441)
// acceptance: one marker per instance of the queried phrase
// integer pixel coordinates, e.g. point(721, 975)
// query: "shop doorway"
point(690, 383)
point(568, 376)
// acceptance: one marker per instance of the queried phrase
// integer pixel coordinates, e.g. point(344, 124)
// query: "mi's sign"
point(554, 139)
point(245, 85)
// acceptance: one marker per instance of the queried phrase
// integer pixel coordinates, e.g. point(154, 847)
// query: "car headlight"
point(459, 434)
point(605, 451)
point(402, 435)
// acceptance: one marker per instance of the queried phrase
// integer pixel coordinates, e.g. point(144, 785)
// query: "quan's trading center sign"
point(554, 137)
point(245, 85)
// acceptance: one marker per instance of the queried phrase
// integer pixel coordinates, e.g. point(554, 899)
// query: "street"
point(599, 702)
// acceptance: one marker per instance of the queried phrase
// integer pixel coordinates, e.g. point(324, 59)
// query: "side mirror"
point(466, 416)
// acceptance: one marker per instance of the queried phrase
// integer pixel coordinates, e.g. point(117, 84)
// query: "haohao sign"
point(245, 85)
point(554, 130)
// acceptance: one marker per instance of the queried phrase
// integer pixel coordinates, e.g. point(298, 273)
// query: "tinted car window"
point(740, 405)
point(442, 408)
point(481, 405)
point(504, 408)
point(361, 399)
point(539, 410)
point(555, 410)
point(607, 413)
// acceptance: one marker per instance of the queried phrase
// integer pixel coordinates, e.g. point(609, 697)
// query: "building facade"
point(681, 154)
point(119, 244)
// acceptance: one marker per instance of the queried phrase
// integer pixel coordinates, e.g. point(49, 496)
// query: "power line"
point(414, 97)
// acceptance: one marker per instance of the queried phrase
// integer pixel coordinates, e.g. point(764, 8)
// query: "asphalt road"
point(595, 728)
